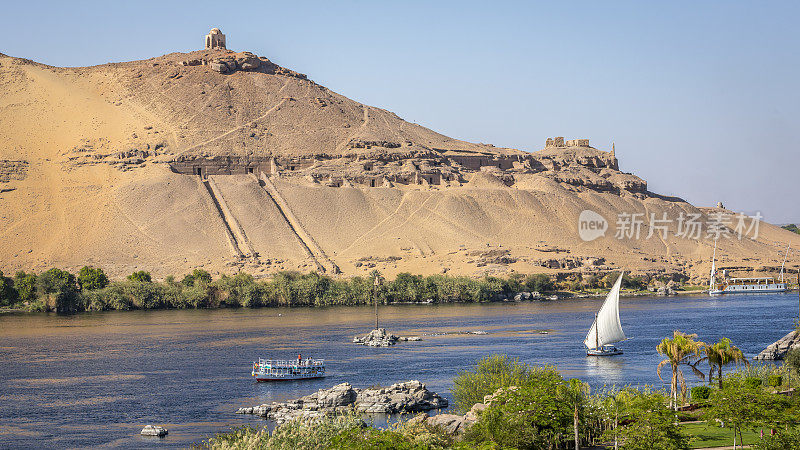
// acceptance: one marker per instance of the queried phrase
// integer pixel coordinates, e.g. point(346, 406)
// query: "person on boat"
point(299, 359)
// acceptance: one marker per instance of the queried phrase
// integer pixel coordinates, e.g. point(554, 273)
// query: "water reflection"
point(605, 369)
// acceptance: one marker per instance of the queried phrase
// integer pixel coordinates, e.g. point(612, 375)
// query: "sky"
point(701, 98)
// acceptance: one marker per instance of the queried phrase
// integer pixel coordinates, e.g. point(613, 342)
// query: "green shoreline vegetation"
point(791, 227)
point(535, 407)
point(91, 290)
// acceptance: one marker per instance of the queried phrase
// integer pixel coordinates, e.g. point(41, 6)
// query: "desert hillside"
point(227, 161)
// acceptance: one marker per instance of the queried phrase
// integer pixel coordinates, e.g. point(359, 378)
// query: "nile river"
point(96, 379)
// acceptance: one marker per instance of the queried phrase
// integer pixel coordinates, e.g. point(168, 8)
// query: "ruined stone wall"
point(577, 143)
point(221, 165)
point(475, 162)
point(559, 142)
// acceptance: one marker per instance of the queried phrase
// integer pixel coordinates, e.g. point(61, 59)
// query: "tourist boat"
point(744, 285)
point(295, 369)
point(606, 329)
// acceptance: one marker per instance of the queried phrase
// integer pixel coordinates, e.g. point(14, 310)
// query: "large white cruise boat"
point(296, 369)
point(744, 285)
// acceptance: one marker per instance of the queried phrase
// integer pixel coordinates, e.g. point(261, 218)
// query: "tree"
point(739, 405)
point(8, 294)
point(60, 289)
point(197, 276)
point(534, 415)
point(25, 285)
point(539, 282)
point(90, 278)
point(679, 350)
point(490, 373)
point(140, 276)
point(721, 354)
point(406, 288)
point(647, 422)
point(575, 392)
point(792, 359)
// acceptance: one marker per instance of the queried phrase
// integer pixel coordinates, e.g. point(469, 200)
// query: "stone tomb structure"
point(221, 165)
point(215, 39)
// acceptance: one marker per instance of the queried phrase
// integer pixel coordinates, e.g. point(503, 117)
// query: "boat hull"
point(750, 289)
point(287, 370)
point(268, 378)
point(603, 351)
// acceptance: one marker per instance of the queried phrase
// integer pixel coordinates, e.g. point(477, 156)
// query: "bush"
point(647, 423)
point(491, 373)
point(140, 276)
point(539, 282)
point(536, 415)
point(792, 359)
point(111, 297)
point(782, 440)
point(59, 288)
point(314, 434)
point(197, 276)
point(700, 393)
point(90, 278)
point(775, 380)
point(401, 436)
point(752, 382)
point(144, 295)
point(8, 294)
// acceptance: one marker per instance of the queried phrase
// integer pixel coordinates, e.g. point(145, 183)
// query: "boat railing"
point(274, 363)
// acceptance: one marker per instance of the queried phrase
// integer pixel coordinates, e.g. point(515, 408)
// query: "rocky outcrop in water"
point(408, 397)
point(782, 346)
point(380, 338)
point(151, 430)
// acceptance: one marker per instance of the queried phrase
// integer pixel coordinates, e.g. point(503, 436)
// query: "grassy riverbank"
point(91, 290)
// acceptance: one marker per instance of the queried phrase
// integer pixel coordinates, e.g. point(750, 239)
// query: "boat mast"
point(784, 260)
point(596, 332)
point(713, 269)
point(377, 284)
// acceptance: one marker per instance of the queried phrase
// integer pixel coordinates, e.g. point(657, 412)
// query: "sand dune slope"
point(85, 179)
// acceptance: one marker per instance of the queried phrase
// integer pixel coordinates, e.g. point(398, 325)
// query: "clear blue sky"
point(701, 97)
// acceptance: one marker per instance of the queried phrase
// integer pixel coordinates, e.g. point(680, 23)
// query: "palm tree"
point(720, 354)
point(575, 393)
point(680, 349)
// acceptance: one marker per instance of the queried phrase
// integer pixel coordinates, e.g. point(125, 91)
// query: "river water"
point(96, 379)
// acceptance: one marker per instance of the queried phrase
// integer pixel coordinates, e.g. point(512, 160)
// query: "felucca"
point(606, 328)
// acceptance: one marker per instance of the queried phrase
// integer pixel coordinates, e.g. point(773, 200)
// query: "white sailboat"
point(606, 328)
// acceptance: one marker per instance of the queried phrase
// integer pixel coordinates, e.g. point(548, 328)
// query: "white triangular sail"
point(607, 328)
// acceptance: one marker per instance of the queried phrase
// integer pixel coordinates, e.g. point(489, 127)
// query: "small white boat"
point(295, 369)
point(606, 328)
point(752, 285)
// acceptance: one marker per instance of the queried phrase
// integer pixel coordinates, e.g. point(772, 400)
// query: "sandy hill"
point(99, 165)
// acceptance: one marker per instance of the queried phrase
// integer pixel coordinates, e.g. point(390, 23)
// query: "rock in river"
point(150, 430)
point(779, 349)
point(408, 397)
point(377, 338)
